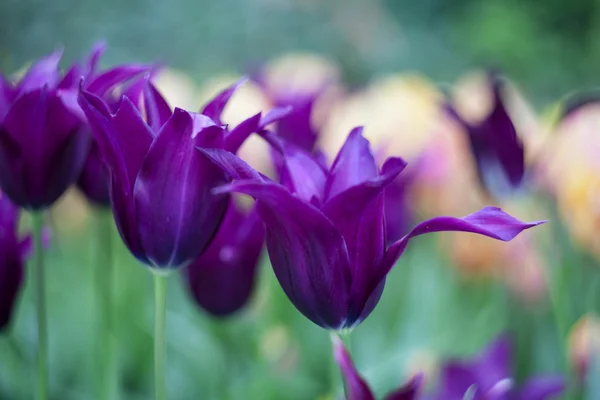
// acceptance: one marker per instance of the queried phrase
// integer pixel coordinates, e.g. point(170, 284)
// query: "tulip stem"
point(104, 284)
point(160, 316)
point(40, 303)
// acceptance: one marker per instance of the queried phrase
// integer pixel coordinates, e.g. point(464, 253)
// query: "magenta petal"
point(215, 108)
point(542, 388)
point(489, 221)
point(356, 387)
point(221, 280)
point(456, 379)
point(176, 212)
point(157, 109)
point(308, 254)
point(353, 165)
point(44, 72)
point(94, 58)
point(7, 95)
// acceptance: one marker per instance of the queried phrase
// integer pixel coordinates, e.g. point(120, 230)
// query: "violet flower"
point(488, 377)
point(13, 254)
point(42, 145)
point(355, 386)
point(325, 230)
point(222, 278)
point(496, 147)
point(160, 184)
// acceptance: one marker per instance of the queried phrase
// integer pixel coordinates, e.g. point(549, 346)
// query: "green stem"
point(104, 285)
point(40, 303)
point(160, 310)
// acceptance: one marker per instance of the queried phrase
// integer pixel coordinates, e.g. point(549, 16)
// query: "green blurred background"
point(269, 351)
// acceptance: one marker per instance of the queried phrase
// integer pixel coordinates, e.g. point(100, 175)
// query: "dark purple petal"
point(94, 181)
point(356, 387)
point(358, 214)
point(542, 388)
point(215, 108)
point(123, 150)
point(176, 212)
point(12, 259)
point(299, 171)
point(353, 165)
point(157, 109)
point(410, 391)
point(44, 72)
point(221, 280)
point(308, 254)
point(489, 221)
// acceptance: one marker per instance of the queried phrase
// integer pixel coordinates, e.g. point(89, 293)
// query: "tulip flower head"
point(357, 388)
point(222, 278)
point(488, 377)
point(497, 149)
point(160, 184)
point(14, 252)
point(42, 143)
point(325, 229)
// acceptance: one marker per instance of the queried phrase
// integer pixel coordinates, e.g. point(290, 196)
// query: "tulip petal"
point(456, 380)
point(94, 58)
point(275, 114)
point(489, 221)
point(44, 72)
point(353, 165)
point(229, 163)
point(356, 387)
point(308, 254)
point(542, 388)
point(410, 391)
point(222, 278)
point(157, 109)
point(173, 196)
point(300, 172)
point(104, 82)
point(358, 214)
point(215, 108)
point(7, 95)
point(494, 363)
point(296, 127)
point(133, 140)
point(237, 136)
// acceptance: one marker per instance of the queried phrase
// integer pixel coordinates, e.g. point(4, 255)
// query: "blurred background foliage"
point(548, 47)
point(269, 351)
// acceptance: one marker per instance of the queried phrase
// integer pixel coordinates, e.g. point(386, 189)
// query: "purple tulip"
point(13, 254)
point(222, 278)
point(160, 184)
point(94, 178)
point(357, 388)
point(488, 377)
point(325, 230)
point(496, 147)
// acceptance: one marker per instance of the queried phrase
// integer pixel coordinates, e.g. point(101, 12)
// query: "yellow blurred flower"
point(583, 341)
